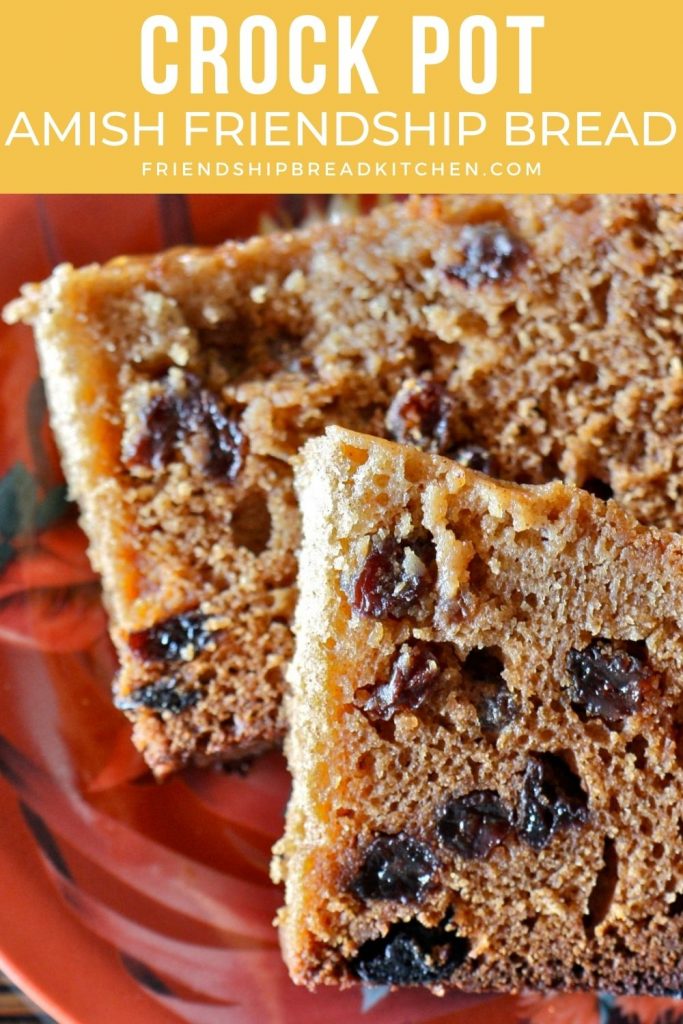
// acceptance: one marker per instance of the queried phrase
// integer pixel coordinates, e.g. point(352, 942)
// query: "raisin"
point(496, 709)
point(473, 824)
point(172, 639)
point(395, 868)
point(493, 701)
point(410, 954)
point(156, 443)
point(473, 456)
point(551, 799)
point(161, 696)
point(421, 414)
point(392, 580)
point(490, 252)
point(607, 679)
point(413, 672)
point(177, 416)
point(226, 442)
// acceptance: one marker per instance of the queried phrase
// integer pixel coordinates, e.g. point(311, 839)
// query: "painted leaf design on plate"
point(49, 599)
point(53, 619)
point(648, 1010)
point(22, 507)
point(25, 510)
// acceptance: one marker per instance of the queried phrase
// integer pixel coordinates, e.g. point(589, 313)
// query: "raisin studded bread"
point(532, 336)
point(486, 727)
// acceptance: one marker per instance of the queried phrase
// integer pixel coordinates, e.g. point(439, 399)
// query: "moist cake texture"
point(533, 337)
point(486, 709)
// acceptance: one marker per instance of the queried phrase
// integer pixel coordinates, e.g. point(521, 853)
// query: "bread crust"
point(561, 356)
point(521, 576)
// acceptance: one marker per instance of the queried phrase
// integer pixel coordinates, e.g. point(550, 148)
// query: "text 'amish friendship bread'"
point(532, 336)
point(486, 732)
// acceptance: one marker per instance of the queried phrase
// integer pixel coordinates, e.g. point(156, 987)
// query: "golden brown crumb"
point(536, 336)
point(485, 750)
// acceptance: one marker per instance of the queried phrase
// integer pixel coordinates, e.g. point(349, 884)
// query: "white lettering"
point(351, 55)
point(169, 29)
point(300, 84)
point(422, 56)
point(525, 24)
point(266, 26)
point(203, 55)
point(489, 77)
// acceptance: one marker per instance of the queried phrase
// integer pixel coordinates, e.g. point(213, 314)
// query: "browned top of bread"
point(537, 336)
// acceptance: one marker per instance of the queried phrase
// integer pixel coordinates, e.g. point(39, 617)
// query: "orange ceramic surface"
point(123, 901)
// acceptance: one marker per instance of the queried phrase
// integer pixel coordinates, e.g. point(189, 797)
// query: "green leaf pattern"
point(24, 510)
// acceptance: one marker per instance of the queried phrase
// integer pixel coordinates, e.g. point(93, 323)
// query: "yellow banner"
point(176, 96)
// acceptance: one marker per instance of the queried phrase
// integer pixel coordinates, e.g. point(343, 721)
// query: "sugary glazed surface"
point(534, 337)
point(487, 697)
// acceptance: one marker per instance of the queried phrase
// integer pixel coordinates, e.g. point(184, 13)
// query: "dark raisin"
point(490, 252)
point(473, 456)
point(496, 708)
point(165, 421)
point(161, 696)
point(473, 824)
point(422, 414)
point(413, 672)
point(173, 639)
point(495, 705)
point(188, 416)
point(395, 868)
point(551, 799)
point(226, 443)
point(607, 679)
point(598, 488)
point(394, 577)
point(410, 954)
point(155, 445)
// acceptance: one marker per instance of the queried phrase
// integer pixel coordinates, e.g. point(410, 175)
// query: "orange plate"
point(121, 901)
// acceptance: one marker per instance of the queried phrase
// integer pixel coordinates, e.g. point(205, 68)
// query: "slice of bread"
point(486, 727)
point(534, 336)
